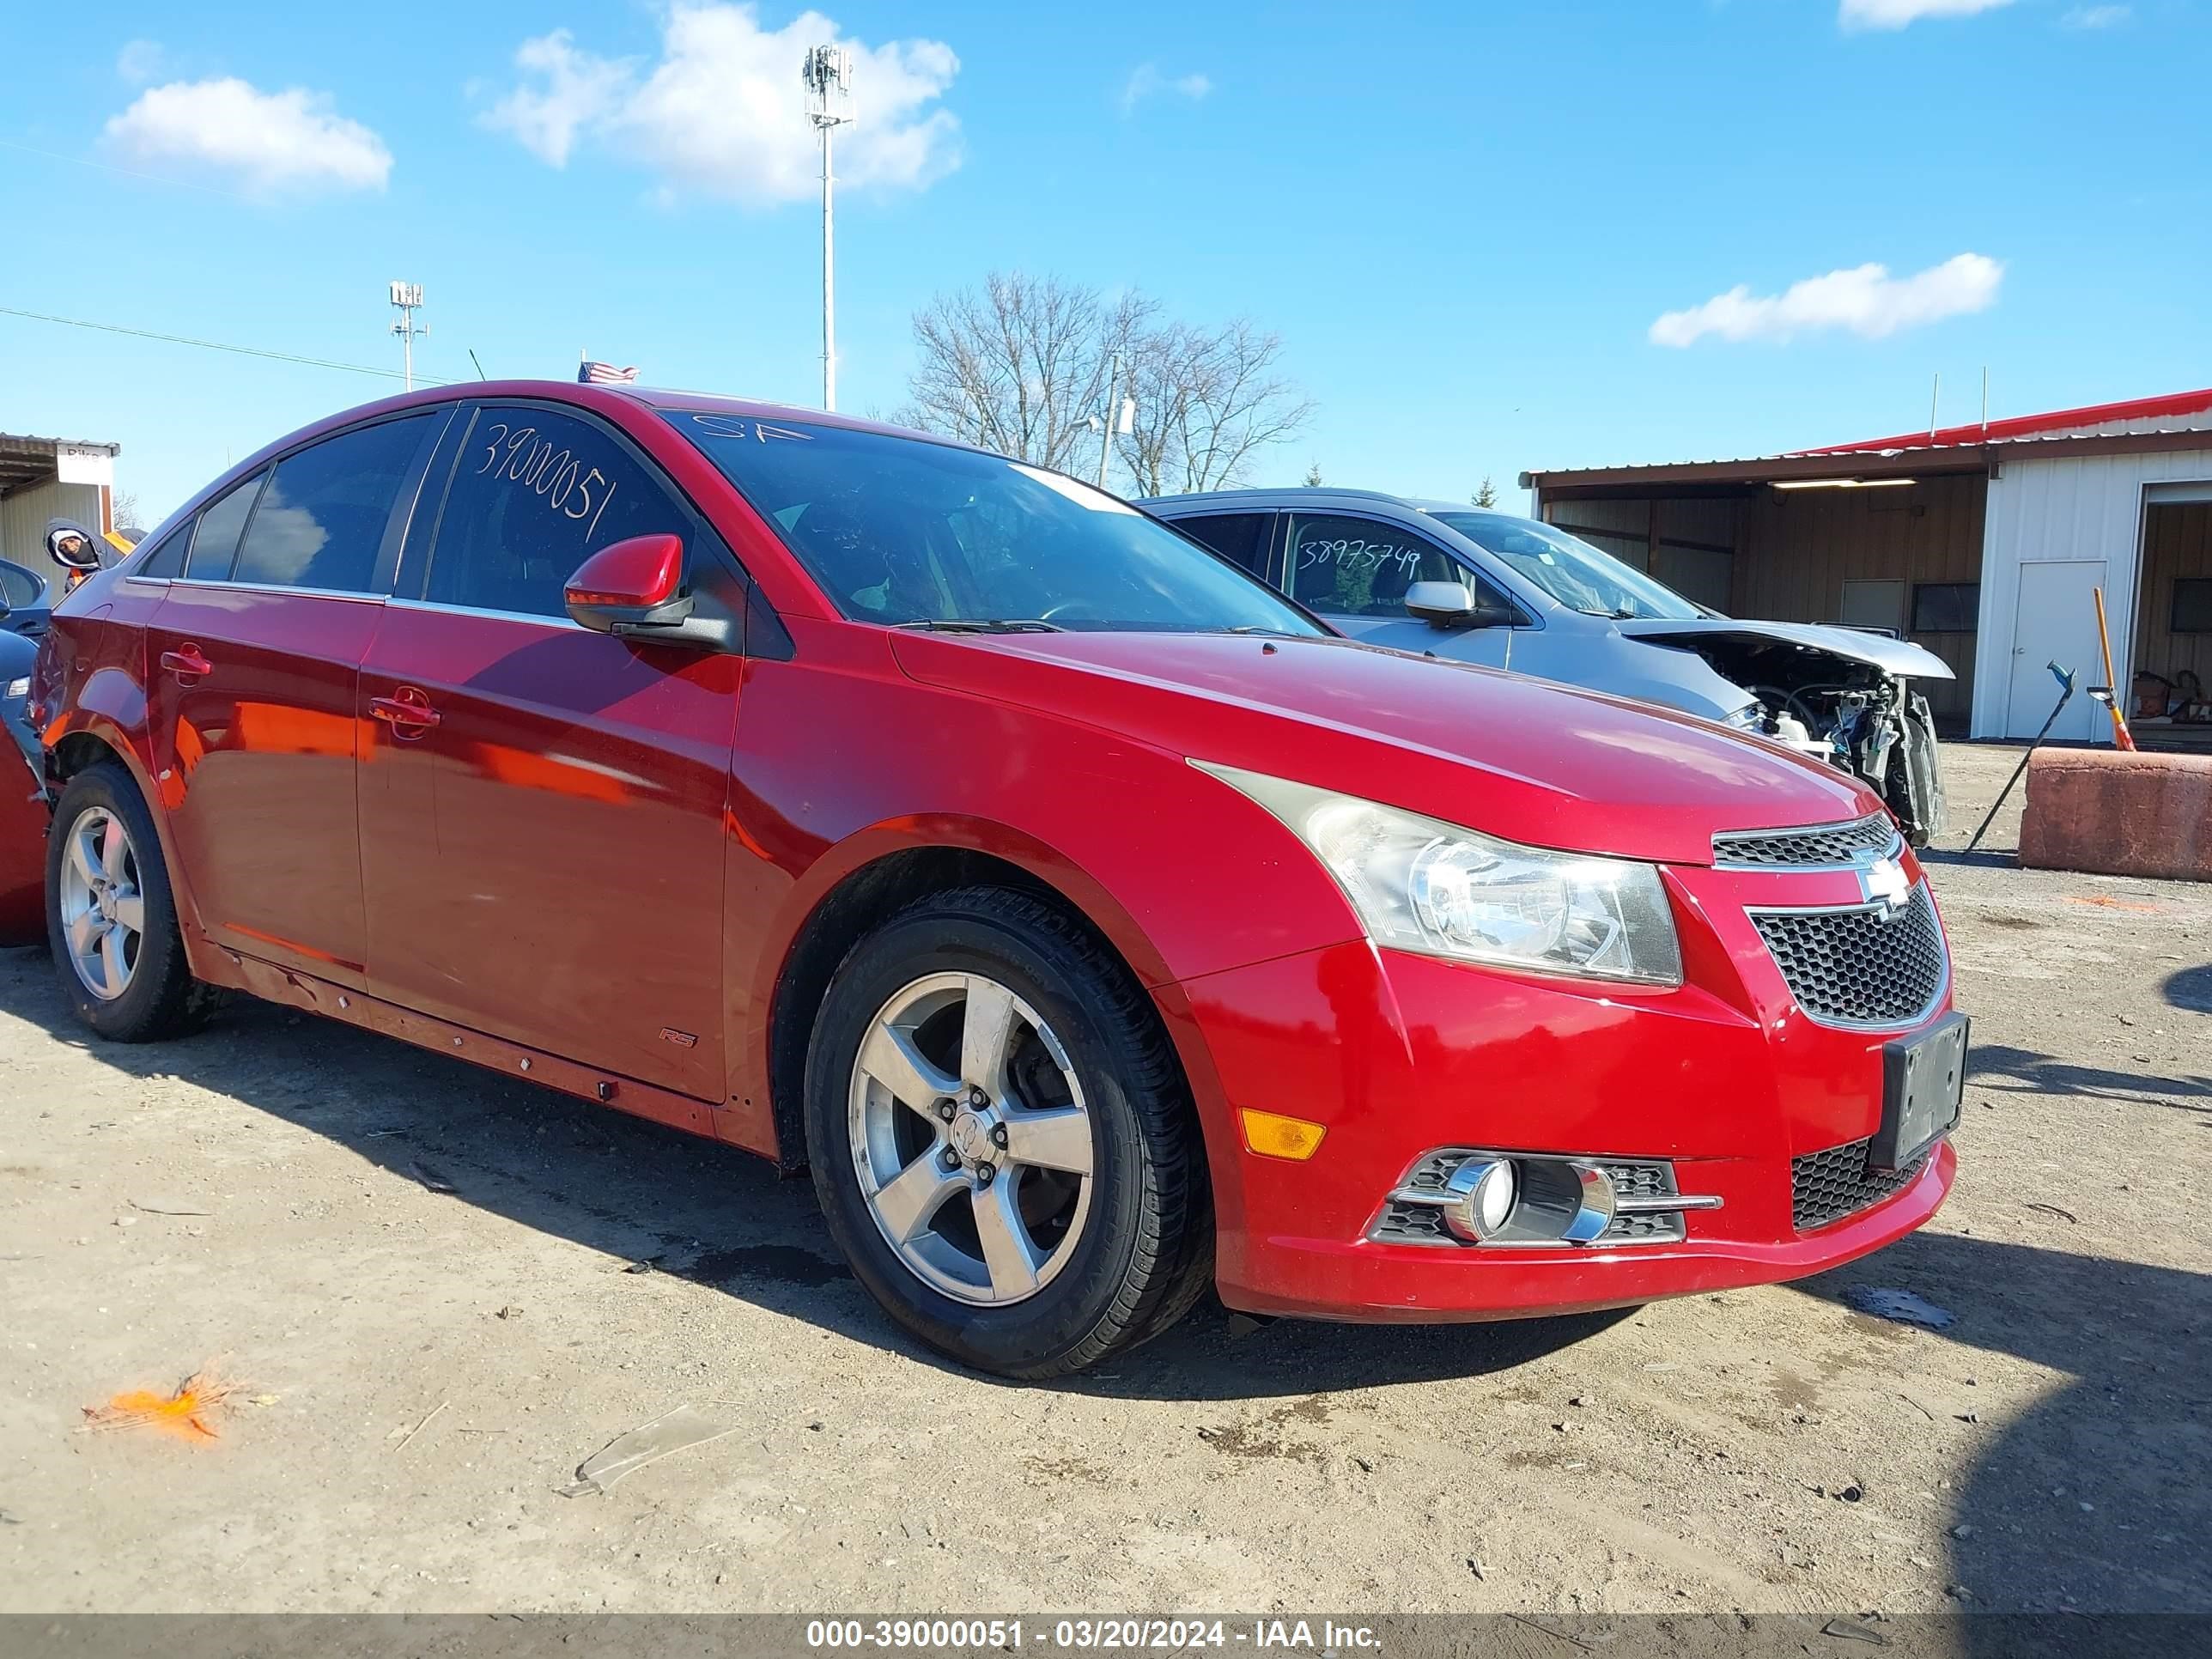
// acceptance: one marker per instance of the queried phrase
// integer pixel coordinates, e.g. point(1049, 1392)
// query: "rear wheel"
point(1001, 1139)
point(111, 917)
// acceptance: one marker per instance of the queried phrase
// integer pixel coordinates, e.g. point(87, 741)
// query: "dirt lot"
point(416, 1272)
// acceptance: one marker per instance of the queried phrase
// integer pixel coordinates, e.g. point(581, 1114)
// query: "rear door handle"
point(186, 663)
point(409, 709)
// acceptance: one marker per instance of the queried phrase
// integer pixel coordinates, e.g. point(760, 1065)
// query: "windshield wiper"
point(976, 625)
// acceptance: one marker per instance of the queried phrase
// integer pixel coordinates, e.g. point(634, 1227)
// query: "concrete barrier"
point(2118, 814)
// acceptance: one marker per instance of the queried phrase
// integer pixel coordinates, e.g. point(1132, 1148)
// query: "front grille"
point(1826, 1187)
point(1860, 842)
point(1859, 966)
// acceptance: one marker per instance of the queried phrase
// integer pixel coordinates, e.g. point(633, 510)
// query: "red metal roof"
point(2028, 426)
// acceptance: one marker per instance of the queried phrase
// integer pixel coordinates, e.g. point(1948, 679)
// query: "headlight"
point(1751, 717)
point(17, 688)
point(1419, 884)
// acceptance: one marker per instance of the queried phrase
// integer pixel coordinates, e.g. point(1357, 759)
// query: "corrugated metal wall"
point(24, 513)
point(2085, 508)
point(1799, 547)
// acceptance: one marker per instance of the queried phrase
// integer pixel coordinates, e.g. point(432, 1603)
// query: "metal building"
point(1982, 543)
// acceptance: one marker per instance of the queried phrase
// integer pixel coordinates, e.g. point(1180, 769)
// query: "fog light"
point(1595, 1205)
point(1271, 1135)
point(1479, 1197)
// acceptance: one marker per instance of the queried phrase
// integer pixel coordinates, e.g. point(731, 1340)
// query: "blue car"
point(1447, 580)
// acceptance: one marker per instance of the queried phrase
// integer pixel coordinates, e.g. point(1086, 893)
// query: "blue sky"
point(1466, 220)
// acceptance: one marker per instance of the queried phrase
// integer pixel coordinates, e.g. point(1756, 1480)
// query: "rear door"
point(541, 805)
point(252, 660)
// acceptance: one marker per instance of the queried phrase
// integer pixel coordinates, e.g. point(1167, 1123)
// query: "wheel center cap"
point(971, 1138)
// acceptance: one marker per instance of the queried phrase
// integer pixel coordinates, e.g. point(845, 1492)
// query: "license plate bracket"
point(1923, 1080)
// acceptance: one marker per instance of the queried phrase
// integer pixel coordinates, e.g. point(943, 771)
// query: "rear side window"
point(168, 558)
point(536, 493)
point(322, 519)
point(215, 544)
point(1239, 537)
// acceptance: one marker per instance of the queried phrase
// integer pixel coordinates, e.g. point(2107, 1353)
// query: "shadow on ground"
point(668, 1202)
point(2060, 1510)
point(2003, 1070)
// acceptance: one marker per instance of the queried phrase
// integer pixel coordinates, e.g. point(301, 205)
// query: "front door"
point(541, 805)
point(251, 664)
point(2055, 621)
point(1355, 571)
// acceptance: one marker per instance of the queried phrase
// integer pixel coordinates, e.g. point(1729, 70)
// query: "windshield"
point(1577, 575)
point(904, 532)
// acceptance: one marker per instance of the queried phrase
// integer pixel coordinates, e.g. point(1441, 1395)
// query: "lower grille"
point(1863, 965)
point(1826, 1187)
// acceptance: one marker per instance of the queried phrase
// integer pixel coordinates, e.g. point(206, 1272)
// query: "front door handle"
point(408, 712)
point(186, 663)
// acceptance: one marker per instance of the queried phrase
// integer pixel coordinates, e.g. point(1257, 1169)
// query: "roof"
point(2181, 420)
point(27, 461)
point(2139, 414)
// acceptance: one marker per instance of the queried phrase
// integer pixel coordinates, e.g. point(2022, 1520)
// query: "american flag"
point(591, 374)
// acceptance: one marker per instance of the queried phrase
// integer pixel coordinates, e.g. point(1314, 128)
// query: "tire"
point(158, 997)
point(1117, 1254)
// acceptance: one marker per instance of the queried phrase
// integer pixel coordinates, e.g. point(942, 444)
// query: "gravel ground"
point(414, 1272)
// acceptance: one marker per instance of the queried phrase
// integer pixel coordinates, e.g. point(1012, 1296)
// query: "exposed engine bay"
point(1824, 696)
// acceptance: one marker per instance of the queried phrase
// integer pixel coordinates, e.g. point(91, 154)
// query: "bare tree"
point(1021, 366)
point(1208, 401)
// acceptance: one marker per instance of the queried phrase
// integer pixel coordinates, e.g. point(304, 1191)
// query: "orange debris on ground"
point(186, 1413)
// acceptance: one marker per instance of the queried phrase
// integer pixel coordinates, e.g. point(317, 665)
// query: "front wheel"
point(111, 916)
point(1001, 1139)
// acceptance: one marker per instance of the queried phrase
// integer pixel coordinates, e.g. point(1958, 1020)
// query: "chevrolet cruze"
point(1094, 923)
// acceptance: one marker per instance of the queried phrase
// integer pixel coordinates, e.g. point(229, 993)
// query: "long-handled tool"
point(2065, 678)
point(2121, 738)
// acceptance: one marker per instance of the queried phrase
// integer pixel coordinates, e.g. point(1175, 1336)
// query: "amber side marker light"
point(1271, 1135)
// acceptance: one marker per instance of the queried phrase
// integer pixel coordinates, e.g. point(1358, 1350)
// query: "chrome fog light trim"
point(1468, 1197)
point(1482, 1193)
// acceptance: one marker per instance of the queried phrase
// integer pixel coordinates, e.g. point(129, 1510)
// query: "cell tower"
point(406, 296)
point(828, 73)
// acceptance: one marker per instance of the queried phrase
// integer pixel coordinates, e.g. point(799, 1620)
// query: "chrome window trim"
point(445, 608)
point(223, 585)
point(1873, 907)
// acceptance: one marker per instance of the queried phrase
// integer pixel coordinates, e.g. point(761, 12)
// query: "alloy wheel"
point(971, 1139)
point(103, 910)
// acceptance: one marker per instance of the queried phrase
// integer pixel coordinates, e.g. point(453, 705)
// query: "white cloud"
point(272, 142)
point(1896, 14)
point(1147, 80)
point(1867, 301)
point(2096, 17)
point(722, 113)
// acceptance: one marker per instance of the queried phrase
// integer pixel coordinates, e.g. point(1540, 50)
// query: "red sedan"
point(1094, 923)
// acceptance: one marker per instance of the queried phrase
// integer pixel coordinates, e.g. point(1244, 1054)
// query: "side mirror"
point(633, 585)
point(73, 549)
point(1450, 604)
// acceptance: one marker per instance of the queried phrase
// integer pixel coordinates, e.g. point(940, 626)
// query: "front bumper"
point(1400, 1055)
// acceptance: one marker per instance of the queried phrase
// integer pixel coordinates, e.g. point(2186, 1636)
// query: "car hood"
point(1899, 657)
point(1534, 763)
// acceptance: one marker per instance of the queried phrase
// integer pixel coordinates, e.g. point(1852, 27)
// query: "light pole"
point(827, 72)
point(1121, 416)
point(406, 296)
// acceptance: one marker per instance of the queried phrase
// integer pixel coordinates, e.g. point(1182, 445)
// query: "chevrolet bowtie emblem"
point(1885, 881)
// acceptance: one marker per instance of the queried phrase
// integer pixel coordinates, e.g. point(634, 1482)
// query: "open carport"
point(1982, 543)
